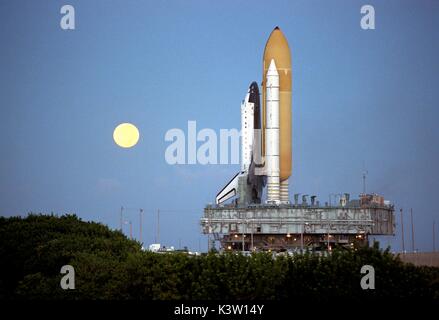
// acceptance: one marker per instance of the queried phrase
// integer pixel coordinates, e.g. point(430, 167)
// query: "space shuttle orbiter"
point(266, 143)
point(245, 183)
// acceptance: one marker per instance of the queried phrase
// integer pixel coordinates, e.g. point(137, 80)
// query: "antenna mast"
point(140, 225)
point(365, 173)
point(413, 230)
point(121, 219)
point(402, 231)
point(158, 226)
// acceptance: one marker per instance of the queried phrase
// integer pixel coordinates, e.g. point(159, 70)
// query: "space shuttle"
point(266, 142)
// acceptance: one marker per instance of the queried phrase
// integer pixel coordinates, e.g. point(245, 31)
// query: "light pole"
point(301, 235)
point(402, 231)
point(301, 240)
point(413, 230)
point(329, 227)
point(140, 226)
point(121, 219)
point(251, 229)
point(243, 236)
point(328, 241)
point(158, 226)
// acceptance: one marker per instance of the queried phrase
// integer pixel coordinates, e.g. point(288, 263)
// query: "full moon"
point(126, 135)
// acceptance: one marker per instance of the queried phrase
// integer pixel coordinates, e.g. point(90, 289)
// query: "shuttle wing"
point(230, 190)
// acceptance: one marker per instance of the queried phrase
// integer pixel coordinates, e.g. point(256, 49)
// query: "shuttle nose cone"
point(254, 98)
point(254, 89)
point(253, 86)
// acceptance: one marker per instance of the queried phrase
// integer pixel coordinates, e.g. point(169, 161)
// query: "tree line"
point(108, 265)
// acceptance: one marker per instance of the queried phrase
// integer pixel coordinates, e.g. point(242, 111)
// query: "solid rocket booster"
point(277, 49)
point(272, 134)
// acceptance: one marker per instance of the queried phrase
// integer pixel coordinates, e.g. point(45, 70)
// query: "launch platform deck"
point(280, 226)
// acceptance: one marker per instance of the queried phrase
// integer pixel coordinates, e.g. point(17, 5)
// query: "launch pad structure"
point(251, 223)
point(299, 227)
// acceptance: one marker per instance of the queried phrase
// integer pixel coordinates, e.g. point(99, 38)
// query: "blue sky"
point(358, 97)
